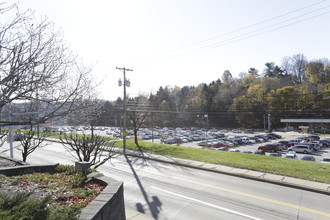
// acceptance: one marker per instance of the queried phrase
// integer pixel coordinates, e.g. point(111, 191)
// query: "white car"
point(291, 155)
point(325, 160)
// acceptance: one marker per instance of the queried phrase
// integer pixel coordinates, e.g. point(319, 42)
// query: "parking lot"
point(324, 152)
point(170, 133)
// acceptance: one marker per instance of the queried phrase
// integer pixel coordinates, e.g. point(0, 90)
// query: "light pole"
point(125, 83)
point(207, 125)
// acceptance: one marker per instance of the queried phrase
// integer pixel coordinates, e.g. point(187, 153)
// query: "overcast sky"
point(185, 42)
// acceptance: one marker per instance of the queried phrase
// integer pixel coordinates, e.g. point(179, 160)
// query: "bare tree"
point(30, 141)
point(91, 148)
point(137, 119)
point(37, 66)
point(296, 66)
point(227, 77)
point(94, 149)
point(3, 136)
point(138, 109)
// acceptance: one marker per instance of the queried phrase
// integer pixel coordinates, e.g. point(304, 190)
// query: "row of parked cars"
point(306, 145)
point(277, 148)
point(299, 145)
point(238, 140)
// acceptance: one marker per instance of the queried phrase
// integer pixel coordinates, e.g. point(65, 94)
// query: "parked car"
point(222, 148)
point(275, 154)
point(219, 144)
point(290, 156)
point(325, 160)
point(246, 151)
point(282, 146)
point(314, 137)
point(169, 141)
point(295, 141)
point(308, 158)
point(325, 143)
point(248, 140)
point(286, 144)
point(259, 152)
point(270, 148)
point(314, 146)
point(236, 131)
point(249, 131)
point(263, 137)
point(203, 143)
point(271, 137)
point(275, 136)
point(318, 143)
point(233, 150)
point(306, 149)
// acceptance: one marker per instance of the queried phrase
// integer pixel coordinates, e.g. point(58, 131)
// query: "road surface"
point(166, 191)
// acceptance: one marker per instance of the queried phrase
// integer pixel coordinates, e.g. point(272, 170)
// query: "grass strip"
point(312, 171)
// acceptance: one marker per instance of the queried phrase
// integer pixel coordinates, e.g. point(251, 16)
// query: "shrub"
point(21, 206)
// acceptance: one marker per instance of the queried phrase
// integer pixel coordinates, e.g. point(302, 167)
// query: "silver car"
point(306, 149)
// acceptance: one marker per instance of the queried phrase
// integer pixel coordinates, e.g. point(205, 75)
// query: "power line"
point(250, 26)
point(251, 34)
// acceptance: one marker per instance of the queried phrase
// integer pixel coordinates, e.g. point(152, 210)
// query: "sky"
point(184, 42)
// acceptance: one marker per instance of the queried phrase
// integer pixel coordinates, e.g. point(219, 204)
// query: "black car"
point(274, 136)
point(265, 138)
point(275, 154)
point(314, 137)
point(308, 158)
point(259, 152)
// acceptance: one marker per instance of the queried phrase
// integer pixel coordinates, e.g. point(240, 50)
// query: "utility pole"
point(126, 83)
point(269, 124)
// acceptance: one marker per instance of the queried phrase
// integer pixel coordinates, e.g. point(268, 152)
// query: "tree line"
point(298, 88)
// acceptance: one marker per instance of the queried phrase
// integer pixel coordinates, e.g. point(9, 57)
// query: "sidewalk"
point(132, 214)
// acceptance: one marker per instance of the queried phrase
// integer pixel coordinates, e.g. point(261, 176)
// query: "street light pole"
point(207, 125)
point(125, 83)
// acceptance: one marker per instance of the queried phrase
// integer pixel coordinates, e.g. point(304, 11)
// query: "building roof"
point(305, 120)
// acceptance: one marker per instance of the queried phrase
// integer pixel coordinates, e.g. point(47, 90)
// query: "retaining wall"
point(108, 205)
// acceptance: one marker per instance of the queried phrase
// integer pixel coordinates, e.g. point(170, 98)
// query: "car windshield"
point(326, 159)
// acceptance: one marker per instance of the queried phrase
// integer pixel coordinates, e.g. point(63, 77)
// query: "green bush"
point(63, 212)
point(23, 207)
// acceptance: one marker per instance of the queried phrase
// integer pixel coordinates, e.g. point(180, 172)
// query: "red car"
point(270, 148)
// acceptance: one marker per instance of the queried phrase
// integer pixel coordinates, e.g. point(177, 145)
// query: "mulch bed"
point(39, 190)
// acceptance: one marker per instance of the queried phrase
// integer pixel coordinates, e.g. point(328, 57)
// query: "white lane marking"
point(208, 204)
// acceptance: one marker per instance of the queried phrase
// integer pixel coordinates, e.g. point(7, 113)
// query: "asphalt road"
point(166, 191)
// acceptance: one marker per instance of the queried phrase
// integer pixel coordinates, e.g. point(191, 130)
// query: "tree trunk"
point(136, 138)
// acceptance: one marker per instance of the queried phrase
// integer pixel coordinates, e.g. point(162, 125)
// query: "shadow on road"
point(154, 204)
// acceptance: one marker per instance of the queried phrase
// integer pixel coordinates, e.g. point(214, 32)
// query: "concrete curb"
point(317, 187)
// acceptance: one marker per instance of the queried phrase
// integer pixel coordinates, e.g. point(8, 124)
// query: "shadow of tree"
point(154, 205)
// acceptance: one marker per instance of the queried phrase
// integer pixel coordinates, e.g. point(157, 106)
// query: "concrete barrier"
point(26, 169)
point(109, 204)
